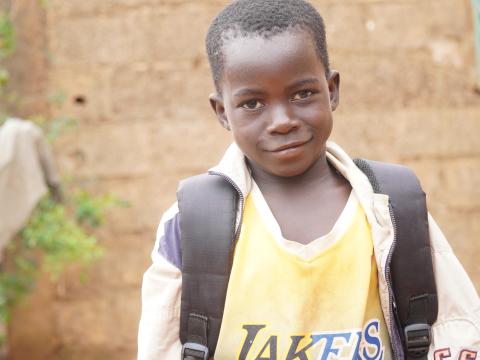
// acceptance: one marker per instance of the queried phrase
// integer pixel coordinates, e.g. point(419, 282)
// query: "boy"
point(308, 278)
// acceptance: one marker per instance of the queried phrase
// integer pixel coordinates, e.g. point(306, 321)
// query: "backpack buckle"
point(194, 351)
point(418, 339)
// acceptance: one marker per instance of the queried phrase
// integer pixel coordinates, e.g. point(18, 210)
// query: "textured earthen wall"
point(139, 70)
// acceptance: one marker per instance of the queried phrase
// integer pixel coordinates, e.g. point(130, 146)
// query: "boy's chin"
point(286, 171)
point(285, 167)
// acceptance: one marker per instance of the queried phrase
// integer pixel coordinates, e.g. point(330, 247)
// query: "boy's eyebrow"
point(312, 80)
point(247, 91)
point(252, 91)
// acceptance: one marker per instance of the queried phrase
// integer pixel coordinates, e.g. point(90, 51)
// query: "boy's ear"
point(216, 102)
point(334, 88)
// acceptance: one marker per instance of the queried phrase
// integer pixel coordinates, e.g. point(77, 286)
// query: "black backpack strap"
point(208, 206)
point(412, 277)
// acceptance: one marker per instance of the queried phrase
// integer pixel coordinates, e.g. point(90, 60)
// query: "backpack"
point(208, 210)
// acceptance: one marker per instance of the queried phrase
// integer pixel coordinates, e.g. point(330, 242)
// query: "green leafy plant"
point(59, 237)
point(91, 210)
point(55, 237)
point(7, 36)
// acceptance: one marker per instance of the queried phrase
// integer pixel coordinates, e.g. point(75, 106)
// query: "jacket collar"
point(234, 166)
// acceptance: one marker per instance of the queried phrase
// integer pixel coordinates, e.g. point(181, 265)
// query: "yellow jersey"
point(289, 301)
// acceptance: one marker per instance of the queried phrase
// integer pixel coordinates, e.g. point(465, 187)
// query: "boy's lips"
point(289, 145)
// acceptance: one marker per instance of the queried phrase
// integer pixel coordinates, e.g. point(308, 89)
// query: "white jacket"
point(456, 331)
point(26, 171)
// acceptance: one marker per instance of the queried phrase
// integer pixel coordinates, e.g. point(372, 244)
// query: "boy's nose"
point(282, 121)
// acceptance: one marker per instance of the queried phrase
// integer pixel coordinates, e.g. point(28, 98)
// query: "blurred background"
point(133, 78)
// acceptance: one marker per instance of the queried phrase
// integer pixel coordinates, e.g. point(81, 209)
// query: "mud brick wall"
point(134, 73)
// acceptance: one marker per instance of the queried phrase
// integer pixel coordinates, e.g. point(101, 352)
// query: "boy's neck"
point(308, 205)
point(319, 172)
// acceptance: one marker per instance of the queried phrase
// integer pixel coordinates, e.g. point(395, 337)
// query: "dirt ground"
point(407, 74)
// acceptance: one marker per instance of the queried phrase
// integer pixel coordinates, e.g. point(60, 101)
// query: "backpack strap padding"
point(207, 245)
point(411, 264)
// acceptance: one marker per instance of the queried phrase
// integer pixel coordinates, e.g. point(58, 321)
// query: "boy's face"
point(277, 101)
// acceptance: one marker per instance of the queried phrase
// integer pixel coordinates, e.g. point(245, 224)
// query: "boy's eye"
point(302, 95)
point(252, 105)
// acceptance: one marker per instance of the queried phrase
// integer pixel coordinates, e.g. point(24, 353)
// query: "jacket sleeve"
point(456, 333)
point(158, 335)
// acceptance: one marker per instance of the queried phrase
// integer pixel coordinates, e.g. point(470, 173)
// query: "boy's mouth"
point(290, 145)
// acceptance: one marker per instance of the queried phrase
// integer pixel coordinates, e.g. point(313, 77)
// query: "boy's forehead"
point(253, 49)
point(235, 37)
point(255, 61)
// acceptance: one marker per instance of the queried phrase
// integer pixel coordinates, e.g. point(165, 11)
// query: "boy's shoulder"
point(167, 242)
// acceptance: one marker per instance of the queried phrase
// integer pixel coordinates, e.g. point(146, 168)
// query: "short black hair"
point(265, 18)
